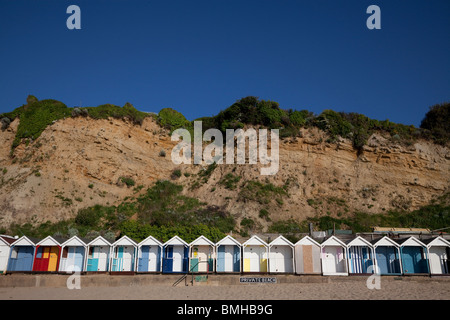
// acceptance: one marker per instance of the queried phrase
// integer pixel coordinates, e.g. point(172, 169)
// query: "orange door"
point(53, 259)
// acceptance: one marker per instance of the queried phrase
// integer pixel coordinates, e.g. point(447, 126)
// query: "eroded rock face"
point(79, 162)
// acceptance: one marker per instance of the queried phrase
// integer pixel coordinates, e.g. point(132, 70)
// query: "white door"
point(257, 254)
point(334, 260)
point(101, 253)
point(127, 258)
point(253, 256)
point(438, 256)
point(178, 258)
point(4, 252)
point(329, 260)
point(153, 258)
point(228, 256)
point(281, 259)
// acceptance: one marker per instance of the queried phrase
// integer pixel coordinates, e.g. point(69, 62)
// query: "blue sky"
point(199, 57)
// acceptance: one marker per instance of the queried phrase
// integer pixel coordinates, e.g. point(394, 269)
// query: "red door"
point(41, 259)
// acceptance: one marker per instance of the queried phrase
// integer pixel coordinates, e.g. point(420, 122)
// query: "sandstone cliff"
point(79, 162)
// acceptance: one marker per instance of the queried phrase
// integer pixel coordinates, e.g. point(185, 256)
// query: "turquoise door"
point(118, 260)
point(413, 260)
point(92, 263)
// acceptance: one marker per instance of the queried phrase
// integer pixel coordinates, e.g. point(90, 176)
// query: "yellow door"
point(263, 265)
point(53, 260)
point(246, 265)
point(45, 252)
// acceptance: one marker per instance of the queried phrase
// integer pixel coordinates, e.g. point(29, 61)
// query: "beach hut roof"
point(202, 241)
point(25, 241)
point(8, 240)
point(176, 240)
point(411, 241)
point(124, 241)
point(255, 241)
point(436, 241)
point(334, 241)
point(384, 241)
point(280, 241)
point(99, 241)
point(150, 240)
point(308, 241)
point(228, 240)
point(359, 241)
point(51, 241)
point(74, 242)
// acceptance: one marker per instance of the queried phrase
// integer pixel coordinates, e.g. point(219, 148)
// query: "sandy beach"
point(400, 288)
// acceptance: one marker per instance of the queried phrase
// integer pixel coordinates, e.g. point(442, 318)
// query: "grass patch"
point(262, 192)
point(230, 181)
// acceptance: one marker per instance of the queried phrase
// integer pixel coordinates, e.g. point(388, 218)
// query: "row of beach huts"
point(334, 256)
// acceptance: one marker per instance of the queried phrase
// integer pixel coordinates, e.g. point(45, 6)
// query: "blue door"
point(236, 259)
point(221, 259)
point(413, 260)
point(143, 260)
point(359, 259)
point(21, 258)
point(387, 260)
point(79, 257)
point(168, 259)
point(186, 259)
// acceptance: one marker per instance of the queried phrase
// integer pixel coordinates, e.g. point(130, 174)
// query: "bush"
point(88, 217)
point(176, 174)
point(128, 181)
point(172, 119)
point(264, 214)
point(230, 181)
point(106, 111)
point(437, 121)
point(262, 193)
point(5, 123)
point(37, 116)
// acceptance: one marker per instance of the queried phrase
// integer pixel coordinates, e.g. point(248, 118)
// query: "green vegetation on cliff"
point(36, 115)
point(161, 211)
point(433, 216)
point(354, 126)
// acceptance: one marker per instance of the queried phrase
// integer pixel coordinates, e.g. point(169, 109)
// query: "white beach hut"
point(307, 256)
point(228, 252)
point(334, 257)
point(360, 256)
point(414, 256)
point(123, 255)
point(21, 256)
point(387, 256)
point(281, 256)
point(149, 255)
point(99, 251)
point(73, 253)
point(255, 255)
point(5, 247)
point(201, 255)
point(438, 255)
point(175, 256)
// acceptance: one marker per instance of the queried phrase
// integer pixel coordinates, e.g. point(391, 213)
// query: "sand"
point(391, 289)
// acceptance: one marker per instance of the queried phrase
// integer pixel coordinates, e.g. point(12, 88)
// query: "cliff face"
point(80, 162)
